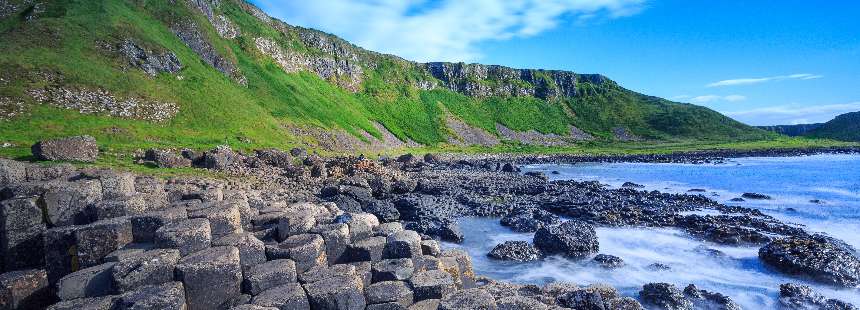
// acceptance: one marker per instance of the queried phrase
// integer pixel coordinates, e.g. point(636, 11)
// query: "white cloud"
point(709, 98)
point(749, 81)
point(793, 114)
point(446, 30)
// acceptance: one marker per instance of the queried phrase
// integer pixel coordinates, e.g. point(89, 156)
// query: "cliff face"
point(792, 130)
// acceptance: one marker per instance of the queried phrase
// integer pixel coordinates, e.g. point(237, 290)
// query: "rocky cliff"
point(792, 130)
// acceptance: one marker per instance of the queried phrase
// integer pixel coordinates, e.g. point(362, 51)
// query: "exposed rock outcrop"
point(148, 61)
point(100, 101)
point(817, 257)
point(341, 72)
point(189, 33)
point(81, 148)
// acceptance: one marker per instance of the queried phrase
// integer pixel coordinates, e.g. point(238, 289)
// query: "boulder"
point(432, 284)
point(403, 244)
point(273, 273)
point(383, 210)
point(115, 184)
point(817, 257)
point(97, 240)
point(24, 289)
point(369, 249)
point(392, 270)
point(167, 296)
point(664, 296)
point(802, 297)
point(148, 268)
point(530, 220)
point(21, 234)
point(252, 251)
point(283, 297)
point(472, 299)
point(167, 159)
point(336, 237)
point(608, 261)
point(49, 172)
point(306, 250)
point(212, 277)
point(223, 219)
point(573, 239)
point(389, 292)
point(340, 292)
point(94, 303)
point(187, 236)
point(143, 226)
point(79, 148)
point(519, 251)
point(703, 299)
point(12, 172)
point(90, 282)
point(68, 204)
point(756, 196)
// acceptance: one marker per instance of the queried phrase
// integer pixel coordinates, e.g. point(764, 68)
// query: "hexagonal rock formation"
point(212, 277)
point(80, 148)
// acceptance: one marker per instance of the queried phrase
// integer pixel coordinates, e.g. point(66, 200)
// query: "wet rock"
point(167, 296)
point(392, 270)
point(756, 196)
point(664, 296)
point(573, 238)
point(703, 299)
point(796, 296)
point(284, 297)
point(658, 267)
point(530, 220)
point(187, 236)
point(468, 299)
point(80, 148)
point(737, 199)
point(341, 292)
point(582, 299)
point(212, 277)
point(519, 251)
point(608, 261)
point(147, 268)
point(269, 274)
point(817, 257)
point(697, 190)
point(450, 231)
point(397, 292)
point(632, 185)
point(90, 282)
point(24, 289)
point(432, 284)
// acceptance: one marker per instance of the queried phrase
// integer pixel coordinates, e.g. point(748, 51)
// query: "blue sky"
point(761, 62)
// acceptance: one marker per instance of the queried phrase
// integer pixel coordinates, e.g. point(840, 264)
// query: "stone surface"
point(519, 303)
point(79, 148)
point(143, 226)
point(320, 273)
point(389, 291)
point(432, 284)
point(403, 244)
point(148, 268)
point(664, 296)
point(820, 258)
point(341, 292)
point(251, 250)
point(269, 274)
point(90, 282)
point(400, 269)
point(223, 219)
point(21, 234)
point(212, 277)
point(167, 296)
point(284, 297)
point(24, 289)
point(518, 251)
point(94, 303)
point(573, 238)
point(306, 250)
point(368, 249)
point(474, 298)
point(337, 240)
point(97, 240)
point(187, 236)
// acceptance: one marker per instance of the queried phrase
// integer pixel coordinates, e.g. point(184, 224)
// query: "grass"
point(68, 41)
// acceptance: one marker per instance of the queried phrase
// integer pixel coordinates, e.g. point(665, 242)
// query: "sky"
point(764, 62)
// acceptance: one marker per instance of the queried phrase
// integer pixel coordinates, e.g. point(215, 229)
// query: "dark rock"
point(530, 220)
point(319, 273)
point(392, 270)
point(283, 297)
point(368, 249)
point(756, 196)
point(306, 250)
point(147, 268)
point(21, 234)
point(664, 296)
point(212, 277)
point(97, 240)
point(659, 267)
point(337, 240)
point(143, 226)
point(817, 257)
point(80, 148)
point(269, 274)
point(342, 292)
point(632, 185)
point(703, 299)
point(389, 291)
point(519, 251)
point(148, 61)
point(584, 299)
point(90, 282)
point(167, 159)
point(519, 303)
point(608, 261)
point(384, 210)
point(187, 236)
point(403, 244)
point(432, 284)
point(12, 172)
point(167, 296)
point(468, 299)
point(801, 297)
point(737, 199)
point(572, 238)
point(24, 289)
point(94, 303)
point(430, 247)
point(252, 251)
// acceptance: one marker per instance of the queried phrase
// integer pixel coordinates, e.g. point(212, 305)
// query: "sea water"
point(792, 182)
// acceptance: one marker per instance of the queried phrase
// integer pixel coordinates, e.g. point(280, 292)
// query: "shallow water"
point(792, 182)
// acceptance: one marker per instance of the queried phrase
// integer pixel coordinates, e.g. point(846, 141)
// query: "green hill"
point(166, 73)
point(845, 127)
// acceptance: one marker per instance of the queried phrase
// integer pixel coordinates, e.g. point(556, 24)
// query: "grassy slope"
point(216, 110)
point(845, 127)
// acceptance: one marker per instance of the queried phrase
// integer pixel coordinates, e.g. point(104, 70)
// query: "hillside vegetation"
point(165, 73)
point(845, 127)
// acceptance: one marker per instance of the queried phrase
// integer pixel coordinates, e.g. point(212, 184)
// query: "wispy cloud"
point(445, 30)
point(709, 98)
point(793, 114)
point(749, 81)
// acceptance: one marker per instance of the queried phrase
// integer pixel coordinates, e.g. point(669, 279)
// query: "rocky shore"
point(292, 230)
